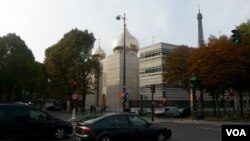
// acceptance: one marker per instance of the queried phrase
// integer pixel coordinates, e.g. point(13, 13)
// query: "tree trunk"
point(223, 103)
point(83, 103)
point(241, 103)
point(217, 104)
point(214, 104)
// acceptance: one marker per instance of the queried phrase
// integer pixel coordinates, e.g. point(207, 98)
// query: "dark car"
point(167, 111)
point(183, 112)
point(120, 127)
point(19, 121)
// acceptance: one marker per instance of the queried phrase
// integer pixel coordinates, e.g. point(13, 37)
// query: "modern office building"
point(152, 68)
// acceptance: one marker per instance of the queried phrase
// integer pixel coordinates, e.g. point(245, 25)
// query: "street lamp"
point(119, 17)
point(196, 97)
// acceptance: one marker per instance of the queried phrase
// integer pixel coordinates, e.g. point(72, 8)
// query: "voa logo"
point(236, 132)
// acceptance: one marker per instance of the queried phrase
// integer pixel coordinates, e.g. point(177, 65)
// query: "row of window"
point(32, 115)
point(119, 120)
point(153, 70)
point(154, 53)
point(148, 55)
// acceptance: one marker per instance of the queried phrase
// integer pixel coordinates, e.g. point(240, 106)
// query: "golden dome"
point(131, 42)
point(99, 52)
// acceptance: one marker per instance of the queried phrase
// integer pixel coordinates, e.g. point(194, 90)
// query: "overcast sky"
point(42, 23)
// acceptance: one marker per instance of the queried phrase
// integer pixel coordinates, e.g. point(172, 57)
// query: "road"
point(194, 132)
point(182, 131)
point(186, 132)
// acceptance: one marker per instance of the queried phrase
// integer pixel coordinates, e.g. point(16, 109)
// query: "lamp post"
point(196, 97)
point(124, 57)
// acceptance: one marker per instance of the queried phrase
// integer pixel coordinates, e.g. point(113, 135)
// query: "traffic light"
point(74, 84)
point(152, 88)
point(236, 36)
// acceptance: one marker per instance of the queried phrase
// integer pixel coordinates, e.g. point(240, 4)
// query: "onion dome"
point(132, 43)
point(99, 53)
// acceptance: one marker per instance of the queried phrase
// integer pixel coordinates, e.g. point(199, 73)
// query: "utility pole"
point(152, 89)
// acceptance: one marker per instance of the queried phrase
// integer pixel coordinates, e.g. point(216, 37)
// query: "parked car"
point(183, 112)
point(166, 111)
point(19, 121)
point(160, 112)
point(52, 105)
point(171, 111)
point(120, 127)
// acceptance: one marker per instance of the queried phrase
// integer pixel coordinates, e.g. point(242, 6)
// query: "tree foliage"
point(217, 62)
point(70, 60)
point(17, 69)
point(244, 29)
point(177, 65)
point(220, 64)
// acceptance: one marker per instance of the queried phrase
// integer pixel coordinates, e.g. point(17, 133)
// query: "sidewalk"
point(68, 117)
point(190, 121)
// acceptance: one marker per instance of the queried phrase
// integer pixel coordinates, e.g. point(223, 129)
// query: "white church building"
point(110, 83)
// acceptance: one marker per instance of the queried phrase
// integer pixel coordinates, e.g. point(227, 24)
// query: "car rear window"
point(92, 119)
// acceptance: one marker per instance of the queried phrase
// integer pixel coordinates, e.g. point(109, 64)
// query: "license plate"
point(77, 138)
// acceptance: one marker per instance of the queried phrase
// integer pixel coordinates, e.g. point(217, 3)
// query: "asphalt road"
point(182, 131)
point(194, 132)
point(185, 132)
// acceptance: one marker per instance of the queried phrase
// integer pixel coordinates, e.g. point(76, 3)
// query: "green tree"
point(244, 29)
point(16, 65)
point(70, 60)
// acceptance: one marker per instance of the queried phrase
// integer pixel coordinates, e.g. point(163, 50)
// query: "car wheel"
point(59, 133)
point(105, 138)
point(161, 136)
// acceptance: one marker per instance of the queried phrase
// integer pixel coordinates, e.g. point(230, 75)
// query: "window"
point(107, 121)
point(37, 115)
point(121, 120)
point(19, 114)
point(2, 114)
point(152, 70)
point(137, 121)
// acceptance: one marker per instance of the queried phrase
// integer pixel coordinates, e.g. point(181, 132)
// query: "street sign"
point(74, 96)
point(122, 94)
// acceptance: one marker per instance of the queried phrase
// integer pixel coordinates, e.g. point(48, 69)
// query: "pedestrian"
point(94, 108)
point(91, 109)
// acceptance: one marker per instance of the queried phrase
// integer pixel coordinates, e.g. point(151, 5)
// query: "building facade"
point(110, 83)
point(152, 68)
